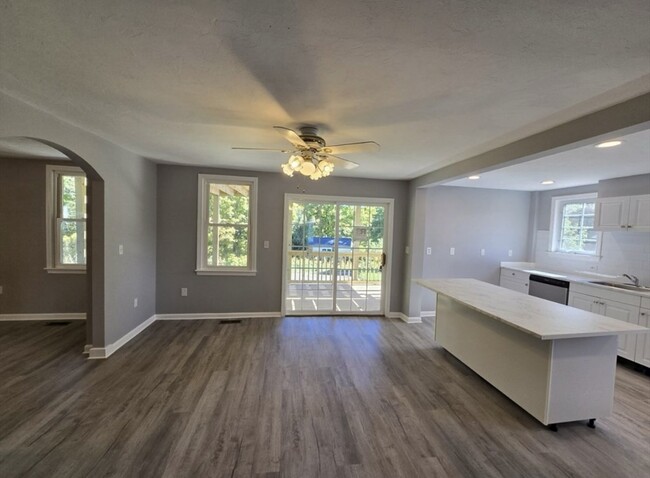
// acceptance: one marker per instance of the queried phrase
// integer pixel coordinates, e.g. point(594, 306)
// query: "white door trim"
point(389, 203)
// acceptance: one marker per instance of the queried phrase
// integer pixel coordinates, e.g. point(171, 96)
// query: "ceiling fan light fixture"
point(307, 168)
point(295, 162)
point(316, 175)
point(326, 167)
point(286, 169)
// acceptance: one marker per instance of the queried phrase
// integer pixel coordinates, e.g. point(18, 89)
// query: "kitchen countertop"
point(579, 277)
point(540, 318)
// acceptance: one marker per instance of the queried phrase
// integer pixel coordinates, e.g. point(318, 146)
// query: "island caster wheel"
point(553, 427)
point(592, 423)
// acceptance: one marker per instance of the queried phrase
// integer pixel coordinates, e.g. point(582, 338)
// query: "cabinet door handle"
point(623, 227)
point(642, 314)
point(629, 227)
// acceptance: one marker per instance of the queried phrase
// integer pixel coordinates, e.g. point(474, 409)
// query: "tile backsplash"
point(622, 253)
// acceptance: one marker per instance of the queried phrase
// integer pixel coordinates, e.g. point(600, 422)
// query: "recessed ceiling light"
point(548, 181)
point(609, 144)
point(474, 177)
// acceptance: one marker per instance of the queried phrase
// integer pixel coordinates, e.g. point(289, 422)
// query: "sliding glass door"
point(335, 256)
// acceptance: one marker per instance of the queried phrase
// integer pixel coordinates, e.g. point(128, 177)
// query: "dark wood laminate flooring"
point(294, 397)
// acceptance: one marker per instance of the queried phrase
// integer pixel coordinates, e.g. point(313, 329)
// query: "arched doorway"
point(94, 229)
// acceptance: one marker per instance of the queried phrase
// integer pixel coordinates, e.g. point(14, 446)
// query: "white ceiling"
point(576, 167)
point(432, 81)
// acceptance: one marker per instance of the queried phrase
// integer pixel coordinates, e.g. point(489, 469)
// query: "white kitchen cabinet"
point(584, 302)
point(626, 313)
point(639, 215)
point(628, 213)
point(514, 280)
point(627, 343)
point(642, 352)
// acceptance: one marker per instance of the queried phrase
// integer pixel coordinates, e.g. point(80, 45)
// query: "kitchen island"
point(556, 362)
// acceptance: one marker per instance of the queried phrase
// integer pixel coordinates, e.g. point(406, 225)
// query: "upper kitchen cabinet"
point(629, 213)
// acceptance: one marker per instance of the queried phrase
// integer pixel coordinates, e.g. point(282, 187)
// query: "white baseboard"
point(404, 317)
point(105, 352)
point(428, 313)
point(47, 317)
point(87, 348)
point(220, 316)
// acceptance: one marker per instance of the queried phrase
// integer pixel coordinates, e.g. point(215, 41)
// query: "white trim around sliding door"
point(389, 203)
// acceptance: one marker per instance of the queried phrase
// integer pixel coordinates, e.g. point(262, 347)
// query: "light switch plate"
point(428, 251)
point(452, 251)
point(184, 291)
point(509, 252)
point(266, 244)
point(135, 302)
point(120, 249)
point(482, 252)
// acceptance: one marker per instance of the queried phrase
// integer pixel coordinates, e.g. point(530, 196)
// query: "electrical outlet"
point(135, 302)
point(482, 252)
point(509, 252)
point(120, 249)
point(428, 251)
point(266, 244)
point(452, 251)
point(184, 291)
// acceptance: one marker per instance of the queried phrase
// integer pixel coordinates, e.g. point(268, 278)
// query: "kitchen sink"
point(618, 285)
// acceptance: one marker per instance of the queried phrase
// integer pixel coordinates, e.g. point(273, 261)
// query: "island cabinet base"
point(556, 381)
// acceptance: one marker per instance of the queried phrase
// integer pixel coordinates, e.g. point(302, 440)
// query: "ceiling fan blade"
point(362, 147)
point(264, 149)
point(291, 136)
point(342, 163)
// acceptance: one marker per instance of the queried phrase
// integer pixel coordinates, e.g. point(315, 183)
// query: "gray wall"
point(176, 250)
point(130, 213)
point(471, 219)
point(627, 186)
point(27, 287)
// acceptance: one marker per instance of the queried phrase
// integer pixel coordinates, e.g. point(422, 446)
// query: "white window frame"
point(53, 265)
point(558, 203)
point(202, 267)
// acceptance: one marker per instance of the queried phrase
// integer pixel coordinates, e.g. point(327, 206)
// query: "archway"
point(94, 236)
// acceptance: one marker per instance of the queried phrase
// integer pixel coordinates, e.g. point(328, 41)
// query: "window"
point(66, 219)
point(572, 225)
point(226, 225)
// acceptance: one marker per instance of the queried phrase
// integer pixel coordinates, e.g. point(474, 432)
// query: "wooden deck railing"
point(313, 266)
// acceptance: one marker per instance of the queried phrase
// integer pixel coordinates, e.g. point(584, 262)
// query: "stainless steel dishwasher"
point(555, 290)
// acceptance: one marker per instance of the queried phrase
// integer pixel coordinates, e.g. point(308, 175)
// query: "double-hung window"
point(226, 235)
point(66, 219)
point(572, 225)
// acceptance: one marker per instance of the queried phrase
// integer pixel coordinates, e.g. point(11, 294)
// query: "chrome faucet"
point(634, 279)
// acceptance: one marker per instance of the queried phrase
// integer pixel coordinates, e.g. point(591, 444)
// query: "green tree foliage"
point(228, 227)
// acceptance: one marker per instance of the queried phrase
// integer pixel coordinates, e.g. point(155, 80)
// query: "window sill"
point(53, 270)
point(209, 272)
point(575, 255)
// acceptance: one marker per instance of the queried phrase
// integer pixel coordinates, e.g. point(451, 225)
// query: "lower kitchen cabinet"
point(627, 343)
point(642, 353)
point(514, 280)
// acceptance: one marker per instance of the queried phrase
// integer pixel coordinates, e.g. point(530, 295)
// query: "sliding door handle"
point(383, 261)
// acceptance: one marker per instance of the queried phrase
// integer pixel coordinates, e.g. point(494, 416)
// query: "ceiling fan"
point(311, 156)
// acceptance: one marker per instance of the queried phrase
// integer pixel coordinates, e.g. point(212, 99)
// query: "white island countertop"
point(540, 318)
